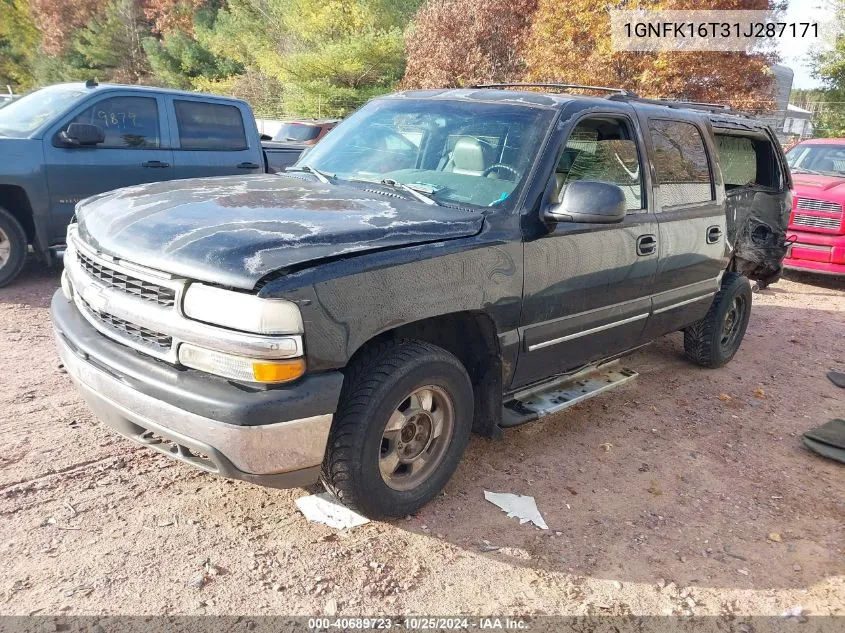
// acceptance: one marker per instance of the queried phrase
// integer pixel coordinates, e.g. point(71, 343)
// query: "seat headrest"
point(468, 156)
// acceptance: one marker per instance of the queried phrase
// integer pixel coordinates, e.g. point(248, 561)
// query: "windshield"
point(828, 160)
point(298, 132)
point(22, 117)
point(463, 152)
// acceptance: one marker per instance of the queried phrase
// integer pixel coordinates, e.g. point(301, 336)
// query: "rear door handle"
point(646, 245)
point(248, 166)
point(155, 164)
point(714, 234)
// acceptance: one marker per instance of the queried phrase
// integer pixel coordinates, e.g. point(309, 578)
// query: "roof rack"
point(714, 108)
point(618, 91)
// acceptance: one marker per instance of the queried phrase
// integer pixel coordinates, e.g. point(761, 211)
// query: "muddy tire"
point(401, 428)
point(713, 341)
point(12, 247)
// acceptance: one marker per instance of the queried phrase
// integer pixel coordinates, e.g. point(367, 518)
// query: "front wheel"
point(12, 247)
point(714, 340)
point(401, 428)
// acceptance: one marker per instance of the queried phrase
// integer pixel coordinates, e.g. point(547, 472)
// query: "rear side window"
point(680, 160)
point(127, 122)
point(297, 132)
point(747, 162)
point(209, 126)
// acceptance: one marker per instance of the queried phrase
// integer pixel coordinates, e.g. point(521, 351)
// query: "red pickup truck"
point(816, 225)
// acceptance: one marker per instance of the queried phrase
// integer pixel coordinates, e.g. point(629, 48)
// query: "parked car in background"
point(71, 141)
point(444, 261)
point(304, 132)
point(816, 226)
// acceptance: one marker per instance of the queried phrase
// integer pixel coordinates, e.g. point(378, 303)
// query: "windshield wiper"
point(804, 170)
point(422, 193)
point(321, 176)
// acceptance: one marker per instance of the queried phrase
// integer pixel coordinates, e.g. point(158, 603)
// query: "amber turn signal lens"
point(278, 371)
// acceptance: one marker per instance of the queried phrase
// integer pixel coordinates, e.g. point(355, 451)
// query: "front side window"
point(209, 126)
point(463, 152)
point(127, 122)
point(604, 150)
point(680, 162)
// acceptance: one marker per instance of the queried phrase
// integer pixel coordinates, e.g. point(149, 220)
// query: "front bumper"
point(815, 252)
point(272, 437)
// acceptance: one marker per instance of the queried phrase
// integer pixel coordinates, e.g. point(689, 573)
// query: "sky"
point(794, 51)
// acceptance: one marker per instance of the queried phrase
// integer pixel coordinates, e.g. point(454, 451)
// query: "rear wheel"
point(12, 247)
point(401, 428)
point(713, 341)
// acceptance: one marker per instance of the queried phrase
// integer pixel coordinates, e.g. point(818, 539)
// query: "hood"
point(235, 230)
point(810, 184)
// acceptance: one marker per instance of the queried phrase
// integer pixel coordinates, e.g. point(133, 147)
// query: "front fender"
point(23, 167)
point(342, 312)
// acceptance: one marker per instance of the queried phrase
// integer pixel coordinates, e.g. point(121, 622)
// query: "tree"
point(570, 41)
point(330, 55)
point(460, 42)
point(19, 39)
point(182, 56)
point(108, 48)
point(58, 19)
point(828, 65)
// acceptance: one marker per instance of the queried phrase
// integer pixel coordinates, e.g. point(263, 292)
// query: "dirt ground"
point(685, 491)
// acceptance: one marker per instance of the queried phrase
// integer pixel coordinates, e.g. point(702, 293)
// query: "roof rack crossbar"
point(620, 91)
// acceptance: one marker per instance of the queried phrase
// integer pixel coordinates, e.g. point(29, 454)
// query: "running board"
point(553, 398)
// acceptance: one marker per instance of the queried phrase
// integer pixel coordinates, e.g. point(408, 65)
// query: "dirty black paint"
point(235, 231)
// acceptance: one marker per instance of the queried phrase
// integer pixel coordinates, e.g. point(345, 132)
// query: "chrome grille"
point(124, 329)
point(131, 285)
point(816, 221)
point(811, 204)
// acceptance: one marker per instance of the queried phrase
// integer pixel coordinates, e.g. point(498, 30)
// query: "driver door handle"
point(248, 166)
point(714, 234)
point(155, 164)
point(646, 245)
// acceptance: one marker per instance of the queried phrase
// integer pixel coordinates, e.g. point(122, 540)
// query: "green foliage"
point(828, 64)
point(302, 57)
point(108, 48)
point(179, 60)
point(19, 40)
point(329, 55)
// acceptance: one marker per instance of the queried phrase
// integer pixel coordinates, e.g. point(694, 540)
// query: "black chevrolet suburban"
point(444, 262)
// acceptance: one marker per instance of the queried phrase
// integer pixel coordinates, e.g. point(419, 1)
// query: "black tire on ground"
point(713, 341)
point(13, 247)
point(378, 385)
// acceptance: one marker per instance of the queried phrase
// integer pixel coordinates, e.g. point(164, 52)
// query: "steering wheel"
point(499, 166)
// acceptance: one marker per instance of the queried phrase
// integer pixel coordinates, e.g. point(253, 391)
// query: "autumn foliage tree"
point(461, 42)
point(570, 41)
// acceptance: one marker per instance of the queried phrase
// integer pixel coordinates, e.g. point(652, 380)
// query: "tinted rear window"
point(297, 132)
point(209, 126)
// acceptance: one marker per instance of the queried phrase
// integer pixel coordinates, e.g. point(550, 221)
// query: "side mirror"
point(589, 201)
point(82, 134)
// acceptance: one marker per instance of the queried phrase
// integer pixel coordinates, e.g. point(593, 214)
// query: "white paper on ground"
point(325, 508)
point(522, 507)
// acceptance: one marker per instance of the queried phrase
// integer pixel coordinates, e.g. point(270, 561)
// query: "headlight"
point(240, 311)
point(67, 289)
point(240, 368)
